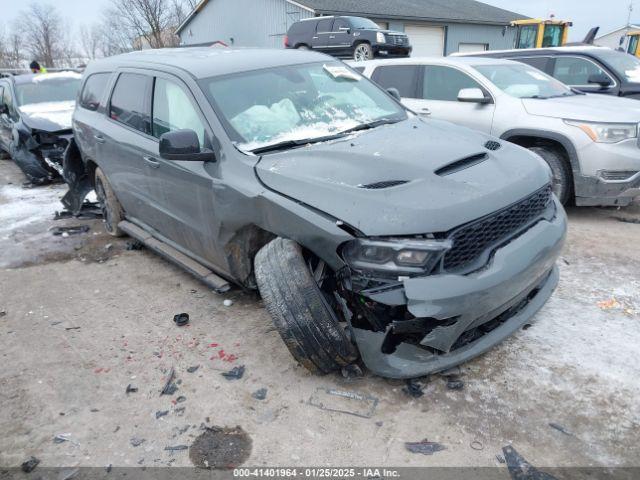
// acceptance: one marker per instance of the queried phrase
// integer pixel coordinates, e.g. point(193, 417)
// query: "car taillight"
point(286, 41)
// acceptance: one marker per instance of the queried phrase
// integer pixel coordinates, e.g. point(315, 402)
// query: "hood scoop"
point(462, 164)
point(383, 184)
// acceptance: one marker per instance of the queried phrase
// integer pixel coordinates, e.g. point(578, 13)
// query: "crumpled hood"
point(589, 107)
point(48, 116)
point(329, 177)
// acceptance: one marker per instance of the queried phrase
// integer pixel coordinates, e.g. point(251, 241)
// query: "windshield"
point(522, 81)
point(49, 87)
point(625, 65)
point(295, 103)
point(360, 23)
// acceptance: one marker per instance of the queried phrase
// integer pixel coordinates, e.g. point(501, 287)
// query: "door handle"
point(425, 111)
point(332, 36)
point(152, 162)
point(99, 138)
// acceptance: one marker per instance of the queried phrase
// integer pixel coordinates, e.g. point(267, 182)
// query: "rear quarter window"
point(302, 28)
point(94, 90)
point(541, 63)
point(402, 77)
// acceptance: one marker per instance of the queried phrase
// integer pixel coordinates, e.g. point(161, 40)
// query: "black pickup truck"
point(355, 37)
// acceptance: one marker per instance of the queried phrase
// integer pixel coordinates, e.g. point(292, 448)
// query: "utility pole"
point(629, 15)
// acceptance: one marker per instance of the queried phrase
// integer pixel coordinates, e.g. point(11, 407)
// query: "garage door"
point(426, 41)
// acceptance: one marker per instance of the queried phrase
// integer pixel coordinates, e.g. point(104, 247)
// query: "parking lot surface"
point(85, 319)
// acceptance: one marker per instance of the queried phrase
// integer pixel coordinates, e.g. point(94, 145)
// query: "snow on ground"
point(21, 207)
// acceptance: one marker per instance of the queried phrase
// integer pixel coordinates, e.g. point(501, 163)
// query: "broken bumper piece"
point(472, 313)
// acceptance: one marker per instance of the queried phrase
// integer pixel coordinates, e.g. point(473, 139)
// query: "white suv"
point(590, 141)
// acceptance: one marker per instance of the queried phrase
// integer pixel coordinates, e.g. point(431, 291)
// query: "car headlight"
point(606, 132)
point(395, 256)
point(380, 37)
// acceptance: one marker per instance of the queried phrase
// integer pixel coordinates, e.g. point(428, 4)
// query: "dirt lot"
point(83, 317)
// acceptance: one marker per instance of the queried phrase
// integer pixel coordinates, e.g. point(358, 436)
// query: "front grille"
point(400, 40)
point(472, 240)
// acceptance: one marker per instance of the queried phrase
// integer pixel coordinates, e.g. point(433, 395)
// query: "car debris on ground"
point(30, 464)
point(351, 403)
point(70, 230)
point(425, 447)
point(520, 469)
point(169, 387)
point(413, 388)
point(181, 319)
point(260, 394)
point(235, 373)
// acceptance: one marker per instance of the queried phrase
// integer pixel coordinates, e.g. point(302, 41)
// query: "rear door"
point(125, 143)
point(438, 97)
point(320, 40)
point(90, 112)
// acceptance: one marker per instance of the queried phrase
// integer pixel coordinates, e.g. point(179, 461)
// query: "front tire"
point(300, 312)
point(363, 52)
point(562, 177)
point(112, 212)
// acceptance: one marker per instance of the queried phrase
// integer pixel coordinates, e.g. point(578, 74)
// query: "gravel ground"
point(84, 318)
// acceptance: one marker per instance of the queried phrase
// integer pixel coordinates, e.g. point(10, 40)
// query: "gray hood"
point(589, 107)
point(329, 177)
point(48, 116)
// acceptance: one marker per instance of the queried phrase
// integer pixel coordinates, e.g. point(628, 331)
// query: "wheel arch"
point(529, 138)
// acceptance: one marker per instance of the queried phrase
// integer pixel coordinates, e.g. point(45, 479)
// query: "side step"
point(218, 284)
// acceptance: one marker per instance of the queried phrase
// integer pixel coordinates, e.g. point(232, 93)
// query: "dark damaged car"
point(35, 121)
point(368, 231)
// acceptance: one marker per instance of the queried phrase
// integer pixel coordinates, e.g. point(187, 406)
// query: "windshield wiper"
point(293, 144)
point(369, 125)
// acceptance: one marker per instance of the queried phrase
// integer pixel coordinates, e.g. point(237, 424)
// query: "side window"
point(93, 91)
point(541, 63)
point(402, 77)
point(575, 71)
point(130, 101)
point(324, 25)
point(340, 23)
point(173, 110)
point(444, 83)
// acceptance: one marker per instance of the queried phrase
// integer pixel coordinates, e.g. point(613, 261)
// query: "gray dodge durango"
point(368, 231)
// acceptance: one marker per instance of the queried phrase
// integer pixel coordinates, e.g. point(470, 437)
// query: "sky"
point(584, 13)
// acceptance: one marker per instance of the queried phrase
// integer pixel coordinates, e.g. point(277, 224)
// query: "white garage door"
point(426, 41)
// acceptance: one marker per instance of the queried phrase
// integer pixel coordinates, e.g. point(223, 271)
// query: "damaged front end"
point(426, 304)
point(39, 154)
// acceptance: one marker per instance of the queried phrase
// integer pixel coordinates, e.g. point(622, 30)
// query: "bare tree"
point(147, 23)
point(91, 40)
point(11, 53)
point(43, 33)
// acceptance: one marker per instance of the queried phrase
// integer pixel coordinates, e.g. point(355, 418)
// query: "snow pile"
point(57, 112)
point(44, 77)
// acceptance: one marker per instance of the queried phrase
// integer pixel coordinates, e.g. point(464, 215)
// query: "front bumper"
point(599, 162)
point(508, 292)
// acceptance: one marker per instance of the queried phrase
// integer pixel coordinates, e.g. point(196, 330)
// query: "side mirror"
point(600, 79)
point(473, 95)
point(395, 93)
point(183, 145)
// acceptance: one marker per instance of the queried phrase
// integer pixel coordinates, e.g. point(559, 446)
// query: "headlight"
point(395, 256)
point(380, 38)
point(606, 132)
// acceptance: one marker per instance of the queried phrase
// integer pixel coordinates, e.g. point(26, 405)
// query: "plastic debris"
point(137, 441)
point(560, 428)
point(134, 245)
point(352, 371)
point(176, 448)
point(413, 388)
point(161, 413)
point(169, 387)
point(131, 389)
point(181, 319)
point(260, 394)
point(520, 469)
point(227, 303)
point(351, 403)
point(424, 447)
point(477, 445)
point(500, 458)
point(193, 369)
point(181, 399)
point(65, 437)
point(30, 464)
point(454, 383)
point(235, 373)
point(608, 304)
point(72, 230)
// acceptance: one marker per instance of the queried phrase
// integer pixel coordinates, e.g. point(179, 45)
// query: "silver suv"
point(589, 141)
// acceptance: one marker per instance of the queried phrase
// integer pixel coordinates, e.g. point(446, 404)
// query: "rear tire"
point(112, 212)
point(300, 312)
point(562, 177)
point(363, 52)
point(302, 47)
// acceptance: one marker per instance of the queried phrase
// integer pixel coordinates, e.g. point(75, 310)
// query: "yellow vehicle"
point(535, 33)
point(634, 41)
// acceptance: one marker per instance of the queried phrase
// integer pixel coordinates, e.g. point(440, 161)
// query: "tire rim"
point(362, 53)
point(102, 200)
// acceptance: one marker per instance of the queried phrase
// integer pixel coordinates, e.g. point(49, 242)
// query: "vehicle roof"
point(204, 62)
point(593, 49)
point(43, 77)
point(465, 61)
